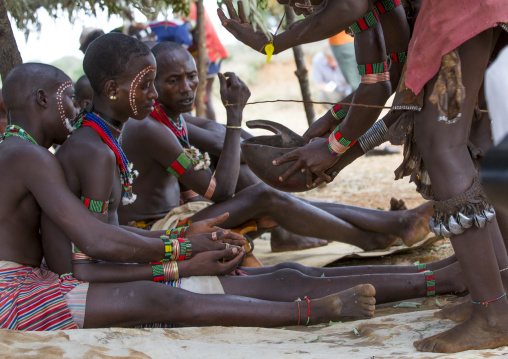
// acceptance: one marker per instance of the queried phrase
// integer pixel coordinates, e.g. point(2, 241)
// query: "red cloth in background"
point(442, 26)
point(216, 50)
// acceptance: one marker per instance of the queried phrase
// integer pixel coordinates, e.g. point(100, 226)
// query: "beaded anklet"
point(422, 268)
point(486, 303)
point(504, 269)
point(308, 310)
point(179, 166)
point(174, 233)
point(299, 312)
point(370, 19)
point(338, 112)
point(95, 206)
point(337, 144)
point(431, 283)
point(211, 188)
point(398, 56)
point(384, 6)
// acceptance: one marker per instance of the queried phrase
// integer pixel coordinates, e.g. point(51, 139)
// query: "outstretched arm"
point(327, 20)
point(217, 262)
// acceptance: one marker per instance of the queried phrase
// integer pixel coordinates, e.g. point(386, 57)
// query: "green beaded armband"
point(157, 272)
point(95, 206)
point(179, 166)
point(185, 249)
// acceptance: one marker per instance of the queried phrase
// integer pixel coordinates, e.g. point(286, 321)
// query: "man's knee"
point(289, 265)
point(265, 195)
point(287, 274)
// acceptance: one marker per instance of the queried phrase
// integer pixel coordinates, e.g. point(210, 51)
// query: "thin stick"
point(317, 103)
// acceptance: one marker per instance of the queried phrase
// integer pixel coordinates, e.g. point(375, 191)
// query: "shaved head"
point(167, 47)
point(84, 91)
point(25, 80)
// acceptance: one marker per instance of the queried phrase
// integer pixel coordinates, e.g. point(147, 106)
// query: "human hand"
point(233, 91)
point(212, 263)
point(215, 241)
point(207, 225)
point(345, 160)
point(241, 28)
point(311, 158)
point(320, 128)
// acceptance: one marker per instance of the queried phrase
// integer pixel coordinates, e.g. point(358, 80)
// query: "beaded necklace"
point(114, 125)
point(92, 120)
point(199, 161)
point(176, 127)
point(16, 131)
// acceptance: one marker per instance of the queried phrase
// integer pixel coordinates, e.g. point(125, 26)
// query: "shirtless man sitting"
point(38, 97)
point(262, 283)
point(121, 70)
point(159, 192)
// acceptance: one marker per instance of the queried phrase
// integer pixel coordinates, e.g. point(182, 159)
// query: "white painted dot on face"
point(134, 84)
point(61, 110)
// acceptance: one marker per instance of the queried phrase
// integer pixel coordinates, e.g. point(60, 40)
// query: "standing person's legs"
point(345, 56)
point(444, 150)
point(137, 303)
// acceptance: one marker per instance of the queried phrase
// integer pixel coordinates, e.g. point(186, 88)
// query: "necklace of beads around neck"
point(16, 131)
point(108, 121)
point(126, 172)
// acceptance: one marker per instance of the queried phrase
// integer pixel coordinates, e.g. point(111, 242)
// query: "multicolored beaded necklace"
point(16, 131)
point(199, 161)
point(176, 127)
point(127, 175)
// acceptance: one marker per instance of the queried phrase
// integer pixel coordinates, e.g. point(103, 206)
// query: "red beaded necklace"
point(176, 127)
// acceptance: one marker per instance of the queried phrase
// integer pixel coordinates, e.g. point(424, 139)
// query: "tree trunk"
point(202, 59)
point(9, 53)
point(301, 71)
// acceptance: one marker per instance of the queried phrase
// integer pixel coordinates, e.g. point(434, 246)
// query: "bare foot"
point(282, 241)
point(352, 304)
point(415, 223)
point(397, 204)
point(414, 226)
point(450, 280)
point(457, 312)
point(487, 328)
